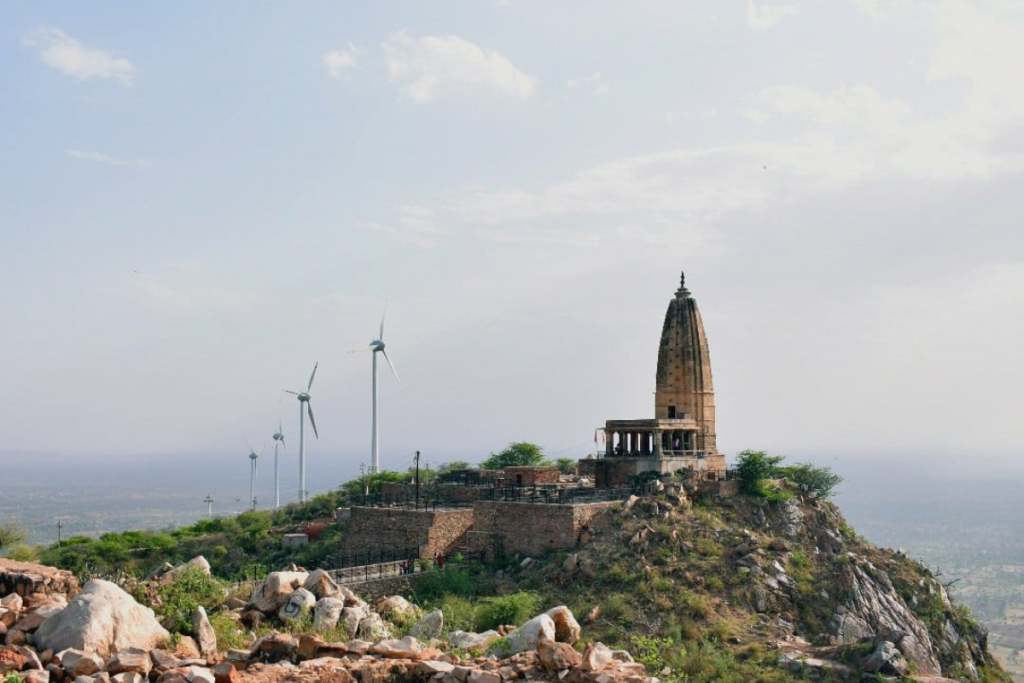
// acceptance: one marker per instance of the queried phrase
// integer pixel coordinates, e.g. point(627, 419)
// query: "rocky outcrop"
point(35, 582)
point(102, 619)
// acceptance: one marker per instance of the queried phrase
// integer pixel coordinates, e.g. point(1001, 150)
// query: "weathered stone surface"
point(557, 656)
point(430, 667)
point(321, 585)
point(529, 634)
point(77, 663)
point(225, 672)
point(28, 578)
point(478, 676)
point(163, 660)
point(327, 612)
point(271, 595)
point(567, 629)
point(128, 677)
point(396, 607)
point(472, 642)
point(11, 659)
point(101, 619)
point(373, 628)
point(350, 619)
point(198, 562)
point(298, 604)
point(406, 648)
point(31, 621)
point(130, 660)
point(206, 637)
point(429, 627)
point(199, 674)
point(596, 657)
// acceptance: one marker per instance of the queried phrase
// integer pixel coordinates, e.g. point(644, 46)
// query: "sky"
point(200, 200)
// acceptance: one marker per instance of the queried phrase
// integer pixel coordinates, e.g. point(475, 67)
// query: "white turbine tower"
point(278, 441)
point(304, 399)
point(377, 346)
point(253, 455)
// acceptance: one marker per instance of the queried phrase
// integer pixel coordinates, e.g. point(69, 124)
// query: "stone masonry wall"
point(387, 529)
point(28, 578)
point(529, 528)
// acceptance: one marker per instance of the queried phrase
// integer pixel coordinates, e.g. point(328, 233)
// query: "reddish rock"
point(557, 656)
point(225, 672)
point(11, 659)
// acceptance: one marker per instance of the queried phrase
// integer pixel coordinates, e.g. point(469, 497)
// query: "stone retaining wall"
point(393, 529)
point(529, 528)
point(28, 578)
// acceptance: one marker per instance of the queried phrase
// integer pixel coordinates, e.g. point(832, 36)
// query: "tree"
point(519, 454)
point(453, 466)
point(816, 481)
point(753, 467)
point(566, 465)
point(12, 533)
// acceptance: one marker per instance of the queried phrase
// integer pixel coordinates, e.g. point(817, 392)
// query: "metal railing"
point(545, 495)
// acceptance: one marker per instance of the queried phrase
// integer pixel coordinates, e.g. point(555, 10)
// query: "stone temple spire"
point(684, 387)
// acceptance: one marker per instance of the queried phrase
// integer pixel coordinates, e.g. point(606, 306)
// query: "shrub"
point(435, 584)
point(190, 589)
point(513, 609)
point(753, 467)
point(229, 634)
point(815, 481)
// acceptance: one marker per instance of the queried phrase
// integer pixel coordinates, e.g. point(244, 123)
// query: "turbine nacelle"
point(377, 345)
point(303, 397)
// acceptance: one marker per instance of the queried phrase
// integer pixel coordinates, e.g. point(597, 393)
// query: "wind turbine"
point(377, 346)
point(278, 441)
point(253, 455)
point(304, 398)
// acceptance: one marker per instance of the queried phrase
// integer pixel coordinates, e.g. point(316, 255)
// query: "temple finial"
point(682, 292)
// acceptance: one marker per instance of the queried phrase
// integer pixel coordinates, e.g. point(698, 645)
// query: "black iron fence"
point(408, 566)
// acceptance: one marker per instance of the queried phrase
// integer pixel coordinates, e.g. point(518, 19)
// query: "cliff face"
point(789, 576)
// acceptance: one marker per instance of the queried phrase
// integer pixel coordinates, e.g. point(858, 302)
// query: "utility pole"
point(417, 478)
point(209, 505)
point(60, 525)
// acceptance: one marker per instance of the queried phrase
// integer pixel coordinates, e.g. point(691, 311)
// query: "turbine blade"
point(392, 366)
point(285, 447)
point(382, 316)
point(361, 349)
point(249, 446)
point(289, 391)
point(262, 448)
point(310, 387)
point(309, 409)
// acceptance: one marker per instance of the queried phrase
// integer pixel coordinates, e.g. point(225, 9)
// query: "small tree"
point(453, 466)
point(519, 454)
point(816, 481)
point(11, 533)
point(566, 465)
point(753, 467)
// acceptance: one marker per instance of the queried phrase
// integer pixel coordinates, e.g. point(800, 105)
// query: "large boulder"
point(102, 619)
point(476, 642)
point(567, 629)
point(557, 656)
point(299, 603)
point(198, 562)
point(373, 628)
point(397, 608)
point(326, 614)
point(350, 619)
point(273, 593)
point(429, 627)
point(529, 634)
point(321, 585)
point(206, 637)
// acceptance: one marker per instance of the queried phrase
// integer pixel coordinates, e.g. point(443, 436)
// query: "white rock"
point(206, 637)
point(299, 602)
point(596, 657)
point(429, 627)
point(101, 619)
point(273, 593)
point(396, 606)
point(567, 629)
point(466, 640)
point(327, 612)
point(373, 628)
point(526, 636)
point(199, 674)
point(321, 585)
point(350, 619)
point(198, 561)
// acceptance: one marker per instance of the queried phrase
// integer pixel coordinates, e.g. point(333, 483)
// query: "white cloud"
point(436, 65)
point(67, 55)
point(880, 10)
point(595, 83)
point(340, 62)
point(105, 159)
point(767, 16)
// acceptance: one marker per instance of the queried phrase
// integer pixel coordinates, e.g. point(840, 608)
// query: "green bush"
point(190, 589)
point(438, 583)
point(514, 609)
point(815, 481)
point(229, 634)
point(753, 467)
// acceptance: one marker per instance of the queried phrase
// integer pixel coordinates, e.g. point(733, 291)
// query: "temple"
point(682, 433)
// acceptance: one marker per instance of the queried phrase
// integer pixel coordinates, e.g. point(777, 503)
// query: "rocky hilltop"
point(682, 583)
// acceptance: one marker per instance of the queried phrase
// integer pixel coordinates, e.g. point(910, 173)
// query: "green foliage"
point(514, 609)
point(11, 533)
point(438, 583)
point(453, 466)
point(190, 589)
point(229, 634)
point(753, 467)
point(373, 483)
point(22, 552)
point(566, 465)
point(518, 454)
point(816, 481)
